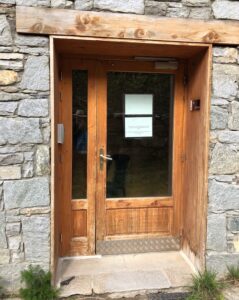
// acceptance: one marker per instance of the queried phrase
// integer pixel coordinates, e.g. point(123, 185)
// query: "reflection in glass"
point(79, 134)
point(142, 165)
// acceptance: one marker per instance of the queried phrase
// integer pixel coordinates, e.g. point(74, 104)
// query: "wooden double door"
point(120, 154)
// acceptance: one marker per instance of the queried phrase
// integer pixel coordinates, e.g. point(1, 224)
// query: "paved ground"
point(231, 293)
point(124, 274)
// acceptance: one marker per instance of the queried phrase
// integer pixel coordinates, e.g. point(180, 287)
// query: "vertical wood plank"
point(178, 150)
point(91, 158)
point(101, 78)
point(65, 152)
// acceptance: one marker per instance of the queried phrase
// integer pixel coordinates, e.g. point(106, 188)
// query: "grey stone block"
point(11, 96)
point(4, 256)
point(42, 160)
point(130, 6)
point(36, 74)
point(219, 117)
point(33, 2)
point(223, 196)
point(36, 237)
point(225, 54)
point(3, 240)
point(10, 159)
point(27, 169)
point(14, 242)
point(156, 8)
point(84, 4)
point(5, 32)
point(34, 50)
point(58, 3)
point(200, 13)
point(177, 10)
point(8, 1)
point(33, 108)
point(11, 65)
point(225, 80)
point(10, 276)
point(197, 3)
point(13, 229)
point(225, 178)
point(234, 117)
point(233, 223)
point(13, 215)
point(20, 130)
point(219, 102)
point(31, 40)
point(224, 160)
point(10, 172)
point(216, 232)
point(229, 137)
point(11, 56)
point(225, 86)
point(15, 148)
point(226, 9)
point(8, 108)
point(26, 193)
point(219, 262)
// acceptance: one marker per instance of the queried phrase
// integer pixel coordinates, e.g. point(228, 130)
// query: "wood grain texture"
point(138, 203)
point(124, 26)
point(137, 221)
point(55, 208)
point(79, 223)
point(79, 204)
point(196, 157)
point(112, 48)
point(101, 78)
point(65, 158)
point(178, 151)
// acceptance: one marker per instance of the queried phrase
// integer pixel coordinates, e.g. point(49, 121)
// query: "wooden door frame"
point(55, 68)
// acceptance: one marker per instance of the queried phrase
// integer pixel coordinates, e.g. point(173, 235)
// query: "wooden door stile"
point(65, 157)
point(178, 150)
point(101, 146)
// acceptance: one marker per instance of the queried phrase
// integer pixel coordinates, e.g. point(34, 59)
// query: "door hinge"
point(60, 133)
point(61, 75)
point(61, 237)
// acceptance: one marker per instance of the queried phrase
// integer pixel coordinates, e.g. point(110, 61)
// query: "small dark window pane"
point(79, 134)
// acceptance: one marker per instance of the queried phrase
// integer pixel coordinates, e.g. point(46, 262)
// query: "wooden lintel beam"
point(56, 21)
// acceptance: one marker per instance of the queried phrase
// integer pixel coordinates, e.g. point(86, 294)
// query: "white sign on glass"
point(138, 127)
point(138, 115)
point(138, 104)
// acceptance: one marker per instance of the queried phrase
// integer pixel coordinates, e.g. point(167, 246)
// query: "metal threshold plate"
point(145, 245)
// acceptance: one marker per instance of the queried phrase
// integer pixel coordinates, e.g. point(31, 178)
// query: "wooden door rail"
point(138, 203)
point(54, 21)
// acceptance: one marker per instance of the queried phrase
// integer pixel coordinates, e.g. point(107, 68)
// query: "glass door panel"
point(79, 133)
point(139, 134)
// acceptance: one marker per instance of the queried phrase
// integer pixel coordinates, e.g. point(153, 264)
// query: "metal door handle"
point(103, 158)
point(106, 157)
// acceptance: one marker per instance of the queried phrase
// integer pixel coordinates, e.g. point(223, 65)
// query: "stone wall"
point(223, 209)
point(25, 134)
